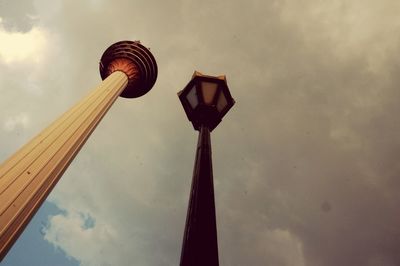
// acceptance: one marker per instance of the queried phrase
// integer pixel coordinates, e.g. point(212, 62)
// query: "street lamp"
point(205, 99)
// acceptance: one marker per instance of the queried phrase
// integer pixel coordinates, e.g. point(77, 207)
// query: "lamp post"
point(128, 69)
point(205, 99)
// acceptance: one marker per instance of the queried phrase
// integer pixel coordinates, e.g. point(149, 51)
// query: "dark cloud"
point(18, 16)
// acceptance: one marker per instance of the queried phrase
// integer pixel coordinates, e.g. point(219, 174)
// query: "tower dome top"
point(136, 61)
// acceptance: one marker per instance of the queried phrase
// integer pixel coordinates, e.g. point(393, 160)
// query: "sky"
point(306, 168)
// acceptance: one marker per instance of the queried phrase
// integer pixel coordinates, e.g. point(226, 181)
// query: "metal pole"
point(200, 245)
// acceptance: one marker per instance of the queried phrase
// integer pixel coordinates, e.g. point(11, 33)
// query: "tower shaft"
point(29, 175)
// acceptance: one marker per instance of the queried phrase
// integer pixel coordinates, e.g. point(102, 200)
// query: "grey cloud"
point(18, 16)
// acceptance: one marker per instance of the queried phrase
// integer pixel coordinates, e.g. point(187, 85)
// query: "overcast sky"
point(306, 164)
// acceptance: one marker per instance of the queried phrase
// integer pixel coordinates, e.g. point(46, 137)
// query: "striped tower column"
point(128, 70)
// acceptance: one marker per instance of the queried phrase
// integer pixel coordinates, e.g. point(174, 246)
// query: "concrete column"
point(129, 70)
point(29, 175)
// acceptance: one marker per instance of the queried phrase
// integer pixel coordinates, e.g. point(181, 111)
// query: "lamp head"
point(206, 99)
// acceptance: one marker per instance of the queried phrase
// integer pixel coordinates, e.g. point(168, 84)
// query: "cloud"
point(16, 47)
point(282, 246)
point(350, 28)
point(64, 228)
point(18, 121)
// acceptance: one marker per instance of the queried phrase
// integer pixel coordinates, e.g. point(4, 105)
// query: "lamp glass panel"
point(208, 89)
point(222, 102)
point(192, 97)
